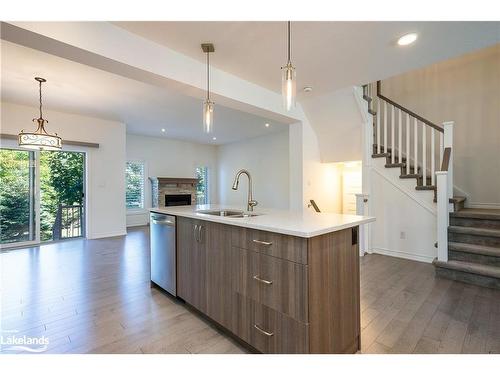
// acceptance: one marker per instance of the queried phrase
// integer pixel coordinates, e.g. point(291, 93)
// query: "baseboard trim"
point(109, 234)
point(482, 205)
point(403, 254)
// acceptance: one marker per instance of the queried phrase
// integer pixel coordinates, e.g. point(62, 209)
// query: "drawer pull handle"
point(268, 334)
point(267, 282)
point(263, 242)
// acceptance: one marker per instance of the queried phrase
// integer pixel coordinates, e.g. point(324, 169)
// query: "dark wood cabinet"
point(191, 262)
point(218, 271)
point(278, 293)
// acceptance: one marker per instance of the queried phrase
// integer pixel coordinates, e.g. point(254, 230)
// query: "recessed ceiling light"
point(407, 39)
point(267, 124)
point(214, 138)
point(307, 89)
point(163, 130)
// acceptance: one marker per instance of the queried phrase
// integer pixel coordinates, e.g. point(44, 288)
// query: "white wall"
point(267, 160)
point(466, 90)
point(337, 122)
point(105, 165)
point(165, 157)
point(400, 216)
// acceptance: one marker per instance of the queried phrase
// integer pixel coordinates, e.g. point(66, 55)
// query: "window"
point(134, 180)
point(202, 185)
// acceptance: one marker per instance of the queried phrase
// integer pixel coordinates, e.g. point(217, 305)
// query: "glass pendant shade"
point(288, 86)
point(208, 116)
point(40, 139)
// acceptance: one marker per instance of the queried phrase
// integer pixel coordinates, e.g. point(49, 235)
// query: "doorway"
point(42, 196)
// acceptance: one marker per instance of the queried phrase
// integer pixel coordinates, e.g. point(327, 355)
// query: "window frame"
point(144, 169)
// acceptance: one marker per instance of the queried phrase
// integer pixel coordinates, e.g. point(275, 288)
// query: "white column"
point(448, 142)
point(442, 215)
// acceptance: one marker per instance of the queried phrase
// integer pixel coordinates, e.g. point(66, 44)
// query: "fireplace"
point(173, 191)
point(177, 199)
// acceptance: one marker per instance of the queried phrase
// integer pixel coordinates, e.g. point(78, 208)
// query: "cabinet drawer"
point(268, 330)
point(274, 244)
point(276, 283)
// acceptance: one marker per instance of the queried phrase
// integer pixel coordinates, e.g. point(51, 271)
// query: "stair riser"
point(474, 258)
point(458, 206)
point(472, 239)
point(476, 223)
point(470, 278)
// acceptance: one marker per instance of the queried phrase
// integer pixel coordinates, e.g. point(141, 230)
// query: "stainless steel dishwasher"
point(163, 252)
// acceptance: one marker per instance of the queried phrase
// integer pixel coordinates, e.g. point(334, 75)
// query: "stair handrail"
point(406, 110)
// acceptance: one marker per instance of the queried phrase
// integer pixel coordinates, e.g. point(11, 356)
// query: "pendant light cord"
point(289, 44)
point(40, 91)
point(208, 76)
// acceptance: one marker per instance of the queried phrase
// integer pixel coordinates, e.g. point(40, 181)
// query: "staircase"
point(473, 248)
point(421, 151)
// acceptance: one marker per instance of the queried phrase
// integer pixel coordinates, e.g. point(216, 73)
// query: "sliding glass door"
point(17, 197)
point(41, 196)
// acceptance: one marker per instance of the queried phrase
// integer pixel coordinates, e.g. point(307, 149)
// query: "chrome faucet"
point(251, 203)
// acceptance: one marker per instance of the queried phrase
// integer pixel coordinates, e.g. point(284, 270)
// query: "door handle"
point(264, 332)
point(200, 233)
point(163, 222)
point(263, 242)
point(267, 282)
point(195, 232)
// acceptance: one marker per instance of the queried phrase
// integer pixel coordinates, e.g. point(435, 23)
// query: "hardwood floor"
point(95, 297)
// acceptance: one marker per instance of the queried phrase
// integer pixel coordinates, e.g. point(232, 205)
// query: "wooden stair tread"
point(395, 165)
point(411, 175)
point(477, 213)
point(474, 231)
point(427, 187)
point(382, 155)
point(474, 249)
point(475, 268)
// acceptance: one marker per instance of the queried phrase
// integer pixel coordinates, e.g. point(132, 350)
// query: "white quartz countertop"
point(302, 224)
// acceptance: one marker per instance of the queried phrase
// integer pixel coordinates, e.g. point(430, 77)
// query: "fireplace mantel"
point(175, 180)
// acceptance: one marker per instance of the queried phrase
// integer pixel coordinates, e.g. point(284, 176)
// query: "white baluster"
point(407, 143)
point(385, 127)
point(400, 135)
point(393, 151)
point(415, 147)
point(433, 157)
point(424, 155)
point(378, 126)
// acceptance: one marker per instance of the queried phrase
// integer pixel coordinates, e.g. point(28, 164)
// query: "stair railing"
point(424, 149)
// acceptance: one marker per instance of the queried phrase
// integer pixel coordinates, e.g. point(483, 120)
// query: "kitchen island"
point(280, 281)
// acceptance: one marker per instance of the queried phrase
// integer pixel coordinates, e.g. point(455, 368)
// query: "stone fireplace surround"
point(161, 186)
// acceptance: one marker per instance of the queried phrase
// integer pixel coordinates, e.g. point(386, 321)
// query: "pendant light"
point(288, 78)
point(208, 105)
point(40, 139)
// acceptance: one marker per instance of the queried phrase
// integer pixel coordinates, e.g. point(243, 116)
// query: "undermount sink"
point(227, 213)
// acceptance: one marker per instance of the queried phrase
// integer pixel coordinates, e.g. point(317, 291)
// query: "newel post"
point(361, 209)
point(448, 142)
point(442, 214)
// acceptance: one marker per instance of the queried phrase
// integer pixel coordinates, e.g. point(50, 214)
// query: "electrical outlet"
point(402, 235)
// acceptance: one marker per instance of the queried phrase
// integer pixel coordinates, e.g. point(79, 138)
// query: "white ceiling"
point(144, 108)
point(327, 55)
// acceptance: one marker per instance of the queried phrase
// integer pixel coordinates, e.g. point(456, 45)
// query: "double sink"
point(227, 213)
